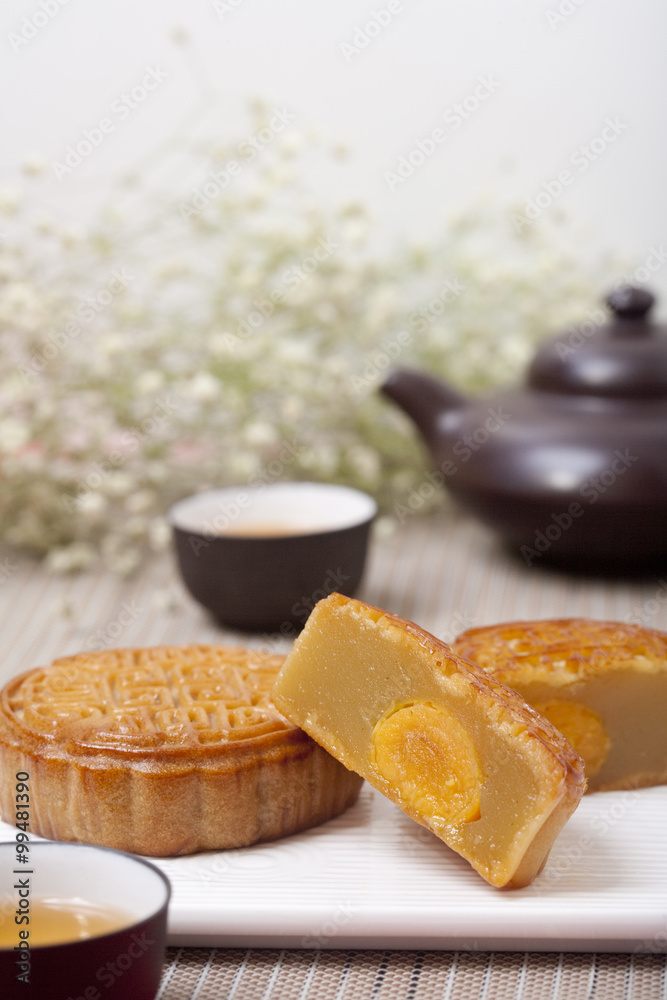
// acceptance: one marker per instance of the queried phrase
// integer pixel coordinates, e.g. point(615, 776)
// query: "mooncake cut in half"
point(164, 751)
point(456, 750)
point(602, 683)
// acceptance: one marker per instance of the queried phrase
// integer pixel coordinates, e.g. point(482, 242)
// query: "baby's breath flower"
point(20, 295)
point(72, 236)
point(259, 433)
point(91, 503)
point(135, 526)
point(204, 387)
point(174, 348)
point(355, 231)
point(118, 484)
point(141, 501)
point(243, 465)
point(366, 462)
point(221, 344)
point(322, 459)
point(44, 224)
point(326, 312)
point(291, 408)
point(125, 563)
point(159, 534)
point(149, 382)
point(14, 435)
point(10, 199)
point(70, 558)
point(172, 267)
point(33, 164)
point(112, 344)
point(291, 144)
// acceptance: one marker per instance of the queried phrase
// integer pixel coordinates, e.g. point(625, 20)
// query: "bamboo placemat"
point(222, 974)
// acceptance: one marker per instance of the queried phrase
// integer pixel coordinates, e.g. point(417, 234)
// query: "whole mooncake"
point(164, 751)
point(455, 749)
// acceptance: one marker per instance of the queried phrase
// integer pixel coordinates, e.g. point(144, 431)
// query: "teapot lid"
point(625, 357)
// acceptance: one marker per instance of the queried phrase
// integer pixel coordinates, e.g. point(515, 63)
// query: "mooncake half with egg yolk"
point(455, 749)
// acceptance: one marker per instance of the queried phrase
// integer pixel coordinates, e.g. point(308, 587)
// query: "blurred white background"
point(520, 91)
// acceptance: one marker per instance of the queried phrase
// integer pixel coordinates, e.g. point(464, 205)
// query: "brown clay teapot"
point(572, 467)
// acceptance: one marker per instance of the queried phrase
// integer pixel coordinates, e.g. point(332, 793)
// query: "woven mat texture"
point(220, 974)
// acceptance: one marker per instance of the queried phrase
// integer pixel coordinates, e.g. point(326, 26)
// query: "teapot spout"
point(424, 399)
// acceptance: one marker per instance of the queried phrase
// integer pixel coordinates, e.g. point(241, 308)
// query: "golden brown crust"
point(164, 751)
point(562, 651)
point(177, 705)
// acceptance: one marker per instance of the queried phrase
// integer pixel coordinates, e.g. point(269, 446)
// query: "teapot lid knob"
point(624, 359)
point(627, 300)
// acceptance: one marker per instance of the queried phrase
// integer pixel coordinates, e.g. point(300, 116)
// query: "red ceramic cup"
point(118, 898)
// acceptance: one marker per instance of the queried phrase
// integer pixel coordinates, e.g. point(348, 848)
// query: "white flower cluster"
point(241, 341)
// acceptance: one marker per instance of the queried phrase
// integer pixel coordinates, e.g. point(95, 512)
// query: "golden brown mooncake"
point(602, 683)
point(164, 751)
point(455, 749)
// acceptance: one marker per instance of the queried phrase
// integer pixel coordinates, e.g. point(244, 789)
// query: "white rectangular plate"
point(374, 879)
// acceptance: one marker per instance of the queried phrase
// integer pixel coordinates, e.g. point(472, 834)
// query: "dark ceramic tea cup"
point(79, 922)
point(260, 558)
